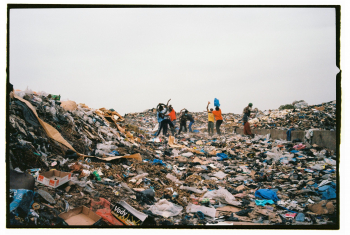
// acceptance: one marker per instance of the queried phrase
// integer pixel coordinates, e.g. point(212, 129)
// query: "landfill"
point(71, 165)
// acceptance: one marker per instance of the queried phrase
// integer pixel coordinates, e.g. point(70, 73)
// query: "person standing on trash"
point(210, 120)
point(191, 119)
point(159, 119)
point(183, 120)
point(162, 109)
point(218, 118)
point(172, 115)
point(246, 115)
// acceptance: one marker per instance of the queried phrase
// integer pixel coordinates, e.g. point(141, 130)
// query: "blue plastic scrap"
point(155, 161)
point(328, 191)
point(114, 152)
point(263, 202)
point(222, 156)
point(266, 194)
point(200, 215)
point(300, 217)
point(22, 199)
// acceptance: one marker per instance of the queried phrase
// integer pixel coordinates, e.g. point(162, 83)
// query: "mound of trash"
point(72, 165)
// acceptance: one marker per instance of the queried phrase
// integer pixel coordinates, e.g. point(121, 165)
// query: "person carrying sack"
point(218, 118)
point(210, 121)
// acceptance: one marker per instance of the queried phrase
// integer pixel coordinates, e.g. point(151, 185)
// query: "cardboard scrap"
point(322, 208)
point(69, 105)
point(196, 159)
point(80, 216)
point(136, 156)
point(54, 178)
point(241, 187)
point(229, 209)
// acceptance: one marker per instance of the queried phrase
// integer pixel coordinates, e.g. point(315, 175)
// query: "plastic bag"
point(106, 147)
point(193, 189)
point(174, 179)
point(75, 180)
point(100, 153)
point(28, 91)
point(139, 176)
point(105, 213)
point(23, 199)
point(220, 175)
point(191, 208)
point(301, 105)
point(165, 208)
point(266, 194)
point(216, 102)
point(42, 93)
point(20, 93)
point(52, 110)
point(223, 196)
point(330, 161)
point(274, 154)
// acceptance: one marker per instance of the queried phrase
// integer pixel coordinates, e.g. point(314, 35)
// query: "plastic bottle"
point(300, 217)
point(96, 175)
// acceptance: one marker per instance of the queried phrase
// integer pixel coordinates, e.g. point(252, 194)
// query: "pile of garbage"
point(302, 117)
point(72, 165)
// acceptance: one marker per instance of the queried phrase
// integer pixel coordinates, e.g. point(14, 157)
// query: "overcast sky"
point(132, 59)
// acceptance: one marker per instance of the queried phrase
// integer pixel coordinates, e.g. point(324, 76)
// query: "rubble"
point(114, 167)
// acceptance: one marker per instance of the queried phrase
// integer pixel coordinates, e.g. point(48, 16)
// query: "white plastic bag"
point(193, 189)
point(106, 147)
point(209, 211)
point(42, 93)
point(28, 91)
point(20, 93)
point(52, 110)
point(165, 208)
point(188, 154)
point(174, 179)
point(223, 196)
point(330, 161)
point(220, 175)
point(75, 180)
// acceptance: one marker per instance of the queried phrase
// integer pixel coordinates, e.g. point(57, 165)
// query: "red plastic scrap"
point(105, 213)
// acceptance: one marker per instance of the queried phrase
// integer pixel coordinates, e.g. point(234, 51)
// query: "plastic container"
point(96, 175)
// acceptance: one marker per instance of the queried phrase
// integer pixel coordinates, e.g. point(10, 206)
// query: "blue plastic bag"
point(155, 161)
point(114, 152)
point(300, 217)
point(22, 199)
point(328, 191)
point(266, 194)
point(222, 156)
point(216, 102)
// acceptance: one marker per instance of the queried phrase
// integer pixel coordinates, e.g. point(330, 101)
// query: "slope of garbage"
point(111, 168)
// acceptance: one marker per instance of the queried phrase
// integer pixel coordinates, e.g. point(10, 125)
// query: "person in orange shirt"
point(210, 120)
point(172, 115)
point(218, 118)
